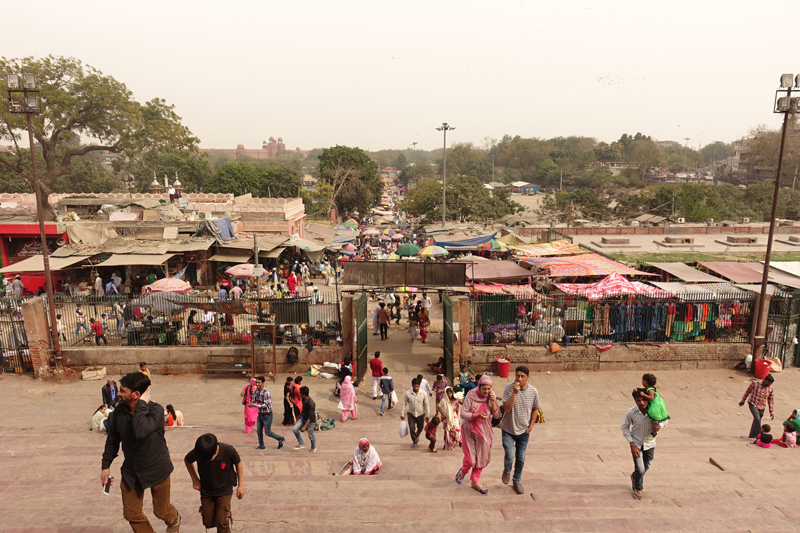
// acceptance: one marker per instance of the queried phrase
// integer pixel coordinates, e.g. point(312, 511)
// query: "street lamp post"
point(31, 104)
point(414, 157)
point(685, 149)
point(787, 105)
point(445, 127)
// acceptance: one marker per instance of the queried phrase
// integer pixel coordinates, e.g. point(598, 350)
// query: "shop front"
point(19, 242)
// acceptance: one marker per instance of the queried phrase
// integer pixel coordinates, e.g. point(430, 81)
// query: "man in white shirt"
point(636, 427)
point(171, 192)
point(426, 302)
point(415, 403)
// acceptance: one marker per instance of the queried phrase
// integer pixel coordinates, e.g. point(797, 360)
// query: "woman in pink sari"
point(477, 437)
point(250, 413)
point(348, 400)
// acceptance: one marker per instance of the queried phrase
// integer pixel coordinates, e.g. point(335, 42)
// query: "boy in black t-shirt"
point(220, 469)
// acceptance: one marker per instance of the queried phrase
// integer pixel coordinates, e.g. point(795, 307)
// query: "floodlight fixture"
point(783, 104)
point(786, 81)
point(12, 81)
point(15, 105)
point(797, 81)
point(31, 104)
point(29, 81)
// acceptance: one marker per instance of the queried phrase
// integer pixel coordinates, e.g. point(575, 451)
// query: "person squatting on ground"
point(636, 427)
point(219, 469)
point(415, 404)
point(430, 433)
point(520, 409)
point(365, 459)
point(758, 396)
point(657, 411)
point(263, 401)
point(138, 424)
point(477, 437)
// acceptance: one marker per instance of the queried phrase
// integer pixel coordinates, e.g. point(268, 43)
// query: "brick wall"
point(620, 357)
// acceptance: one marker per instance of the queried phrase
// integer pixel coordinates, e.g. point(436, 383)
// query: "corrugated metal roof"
point(736, 272)
point(36, 264)
point(686, 273)
point(692, 288)
point(776, 276)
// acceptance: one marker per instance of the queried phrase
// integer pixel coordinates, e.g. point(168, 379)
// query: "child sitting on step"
point(657, 411)
point(764, 439)
point(789, 439)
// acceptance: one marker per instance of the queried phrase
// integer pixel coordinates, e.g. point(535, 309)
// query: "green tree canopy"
point(192, 169)
point(353, 177)
point(244, 178)
point(467, 200)
point(79, 100)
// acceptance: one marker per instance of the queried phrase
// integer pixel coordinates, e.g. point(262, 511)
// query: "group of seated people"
point(789, 438)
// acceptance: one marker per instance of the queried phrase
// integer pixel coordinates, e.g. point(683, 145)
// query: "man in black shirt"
point(138, 423)
point(308, 418)
point(110, 393)
point(220, 469)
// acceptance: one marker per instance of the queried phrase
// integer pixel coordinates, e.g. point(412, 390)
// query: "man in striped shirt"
point(759, 396)
point(263, 400)
point(635, 428)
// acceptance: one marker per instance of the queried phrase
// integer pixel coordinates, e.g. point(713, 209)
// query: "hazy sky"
point(379, 74)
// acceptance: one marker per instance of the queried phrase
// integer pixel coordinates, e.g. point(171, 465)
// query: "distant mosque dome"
point(240, 147)
point(280, 139)
point(272, 139)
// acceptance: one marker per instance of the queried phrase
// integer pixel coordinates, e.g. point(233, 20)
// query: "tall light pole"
point(788, 106)
point(414, 157)
point(685, 148)
point(31, 104)
point(445, 127)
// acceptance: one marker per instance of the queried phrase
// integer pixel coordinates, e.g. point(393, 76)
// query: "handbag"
point(403, 429)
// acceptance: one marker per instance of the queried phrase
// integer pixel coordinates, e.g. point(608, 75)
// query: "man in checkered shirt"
point(635, 428)
point(759, 396)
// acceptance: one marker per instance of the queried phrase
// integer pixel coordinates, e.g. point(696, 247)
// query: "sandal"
point(482, 491)
point(433, 451)
point(458, 474)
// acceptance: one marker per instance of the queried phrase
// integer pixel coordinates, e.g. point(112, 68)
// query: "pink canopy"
point(170, 285)
point(612, 285)
point(244, 270)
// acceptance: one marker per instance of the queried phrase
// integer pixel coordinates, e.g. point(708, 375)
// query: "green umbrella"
point(407, 250)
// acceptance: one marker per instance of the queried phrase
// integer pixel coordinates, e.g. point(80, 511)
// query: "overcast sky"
point(379, 74)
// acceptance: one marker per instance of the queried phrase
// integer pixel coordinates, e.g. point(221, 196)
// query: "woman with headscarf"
point(288, 406)
point(423, 322)
point(250, 413)
point(477, 437)
point(348, 400)
point(365, 459)
point(292, 282)
point(449, 409)
point(440, 385)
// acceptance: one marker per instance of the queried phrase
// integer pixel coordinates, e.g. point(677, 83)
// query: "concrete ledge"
point(192, 359)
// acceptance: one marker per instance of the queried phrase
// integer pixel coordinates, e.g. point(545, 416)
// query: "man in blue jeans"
point(308, 417)
point(520, 407)
point(636, 427)
point(263, 400)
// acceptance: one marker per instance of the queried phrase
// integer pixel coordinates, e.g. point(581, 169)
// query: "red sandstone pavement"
point(576, 476)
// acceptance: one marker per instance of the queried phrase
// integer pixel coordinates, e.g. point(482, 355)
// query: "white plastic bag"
point(403, 429)
point(393, 399)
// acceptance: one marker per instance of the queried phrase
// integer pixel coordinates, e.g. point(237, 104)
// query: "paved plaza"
point(575, 479)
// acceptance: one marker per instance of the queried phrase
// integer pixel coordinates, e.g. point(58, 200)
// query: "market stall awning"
point(36, 264)
point(789, 267)
point(706, 289)
point(583, 265)
point(736, 272)
point(496, 271)
point(231, 258)
point(561, 247)
point(612, 285)
point(135, 259)
point(475, 241)
point(686, 273)
point(776, 276)
point(272, 253)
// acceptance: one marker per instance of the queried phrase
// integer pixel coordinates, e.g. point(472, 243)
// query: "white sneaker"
point(299, 446)
point(313, 450)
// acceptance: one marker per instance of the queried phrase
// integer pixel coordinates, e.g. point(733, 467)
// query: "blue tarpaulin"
point(475, 241)
point(225, 228)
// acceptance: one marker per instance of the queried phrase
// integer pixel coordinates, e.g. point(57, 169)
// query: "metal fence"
point(782, 326)
point(197, 321)
point(568, 319)
point(13, 339)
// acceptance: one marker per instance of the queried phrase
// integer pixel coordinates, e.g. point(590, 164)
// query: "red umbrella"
point(349, 248)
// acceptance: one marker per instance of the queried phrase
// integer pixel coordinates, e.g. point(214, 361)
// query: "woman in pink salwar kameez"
point(348, 400)
point(250, 413)
point(477, 437)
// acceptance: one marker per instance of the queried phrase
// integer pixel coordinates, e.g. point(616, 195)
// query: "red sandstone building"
point(269, 150)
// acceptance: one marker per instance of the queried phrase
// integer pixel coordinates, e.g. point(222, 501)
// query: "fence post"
point(38, 333)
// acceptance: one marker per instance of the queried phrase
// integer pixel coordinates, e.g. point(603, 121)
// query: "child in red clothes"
point(764, 439)
point(430, 433)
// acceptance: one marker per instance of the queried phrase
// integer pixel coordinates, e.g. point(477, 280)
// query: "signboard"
point(404, 274)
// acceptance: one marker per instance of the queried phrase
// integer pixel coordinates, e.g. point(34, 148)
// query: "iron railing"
point(569, 319)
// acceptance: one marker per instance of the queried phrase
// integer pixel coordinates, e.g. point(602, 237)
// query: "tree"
point(401, 162)
point(280, 182)
point(353, 177)
point(467, 200)
point(237, 179)
point(414, 173)
point(646, 154)
point(79, 100)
